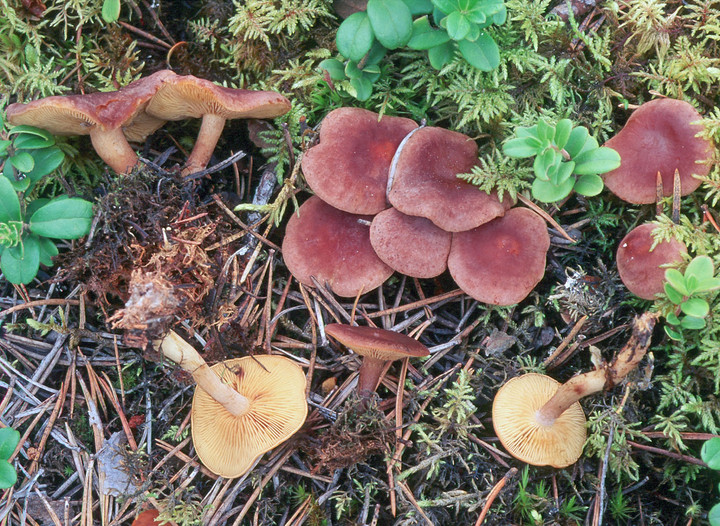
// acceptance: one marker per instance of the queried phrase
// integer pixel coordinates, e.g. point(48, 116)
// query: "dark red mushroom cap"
point(379, 344)
point(412, 245)
point(659, 137)
point(501, 261)
point(334, 247)
point(639, 268)
point(425, 181)
point(349, 167)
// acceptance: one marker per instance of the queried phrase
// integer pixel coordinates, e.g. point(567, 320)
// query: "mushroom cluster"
point(114, 119)
point(387, 198)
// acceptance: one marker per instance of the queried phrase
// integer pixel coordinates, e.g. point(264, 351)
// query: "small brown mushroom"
point(660, 136)
point(149, 518)
point(111, 119)
point(501, 261)
point(333, 247)
point(348, 169)
point(377, 347)
point(242, 407)
point(424, 181)
point(185, 97)
point(412, 245)
point(641, 269)
point(542, 423)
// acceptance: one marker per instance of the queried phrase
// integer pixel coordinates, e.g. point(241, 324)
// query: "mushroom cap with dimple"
point(377, 343)
point(501, 261)
point(640, 269)
point(186, 97)
point(425, 183)
point(513, 415)
point(412, 245)
point(349, 167)
point(275, 387)
point(660, 136)
point(333, 247)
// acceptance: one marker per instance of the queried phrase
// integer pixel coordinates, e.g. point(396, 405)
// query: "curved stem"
point(569, 393)
point(113, 148)
point(369, 376)
point(182, 353)
point(210, 131)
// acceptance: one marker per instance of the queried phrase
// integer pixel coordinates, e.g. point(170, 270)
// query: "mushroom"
point(660, 136)
point(242, 407)
point(184, 97)
point(641, 269)
point(149, 518)
point(111, 119)
point(377, 347)
point(333, 247)
point(501, 261)
point(411, 245)
point(348, 169)
point(541, 422)
point(424, 182)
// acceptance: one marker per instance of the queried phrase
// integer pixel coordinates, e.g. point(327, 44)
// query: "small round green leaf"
point(8, 476)
point(48, 250)
point(31, 130)
point(425, 37)
point(9, 439)
point(22, 161)
point(419, 7)
point(562, 132)
point(482, 54)
point(696, 307)
point(578, 136)
point(46, 161)
point(334, 68)
point(456, 25)
point(63, 219)
point(362, 87)
point(701, 267)
point(672, 294)
point(589, 185)
point(110, 11)
point(597, 161)
point(564, 172)
point(9, 202)
point(673, 334)
point(20, 263)
point(693, 323)
point(677, 281)
point(28, 141)
point(549, 193)
point(714, 515)
point(391, 22)
point(710, 453)
point(355, 36)
point(440, 55)
point(522, 147)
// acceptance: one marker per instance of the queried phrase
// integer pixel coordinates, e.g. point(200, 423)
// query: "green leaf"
point(714, 515)
point(577, 139)
point(562, 132)
point(4, 145)
point(474, 33)
point(673, 334)
point(589, 185)
point(425, 37)
point(46, 161)
point(362, 86)
point(391, 22)
point(482, 54)
point(457, 25)
point(696, 307)
point(701, 267)
point(355, 36)
point(22, 161)
point(352, 71)
point(441, 55)
point(31, 130)
point(9, 202)
point(48, 250)
point(335, 68)
point(9, 439)
point(500, 16)
point(21, 262)
point(598, 161)
point(545, 131)
point(693, 323)
point(565, 170)
point(672, 319)
point(110, 11)
point(522, 147)
point(676, 280)
point(707, 285)
point(419, 7)
point(376, 54)
point(28, 141)
point(447, 6)
point(542, 164)
point(549, 193)
point(63, 219)
point(673, 295)
point(530, 131)
point(8, 476)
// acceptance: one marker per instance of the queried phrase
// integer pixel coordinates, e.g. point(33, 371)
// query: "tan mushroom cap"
point(185, 97)
point(275, 387)
point(377, 343)
point(513, 415)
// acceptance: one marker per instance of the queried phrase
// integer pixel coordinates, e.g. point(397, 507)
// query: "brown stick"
point(494, 493)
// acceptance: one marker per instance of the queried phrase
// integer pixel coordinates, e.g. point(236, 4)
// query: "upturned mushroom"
point(377, 347)
point(660, 136)
point(185, 97)
point(111, 119)
point(242, 407)
point(541, 422)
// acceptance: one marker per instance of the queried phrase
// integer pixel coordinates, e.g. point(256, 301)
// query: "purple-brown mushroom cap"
point(659, 137)
point(334, 247)
point(349, 167)
point(412, 245)
point(639, 268)
point(425, 181)
point(501, 261)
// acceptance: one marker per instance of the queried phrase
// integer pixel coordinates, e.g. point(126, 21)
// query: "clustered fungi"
point(387, 198)
point(113, 119)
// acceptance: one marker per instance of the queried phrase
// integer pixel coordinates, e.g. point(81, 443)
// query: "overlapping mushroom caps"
point(501, 261)
point(641, 269)
point(349, 168)
point(111, 119)
point(333, 247)
point(184, 97)
point(660, 136)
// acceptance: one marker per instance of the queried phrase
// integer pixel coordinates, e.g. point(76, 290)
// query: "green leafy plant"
point(27, 154)
point(9, 439)
point(684, 291)
point(567, 158)
point(710, 454)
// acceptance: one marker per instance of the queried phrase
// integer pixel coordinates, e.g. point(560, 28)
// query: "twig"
point(497, 488)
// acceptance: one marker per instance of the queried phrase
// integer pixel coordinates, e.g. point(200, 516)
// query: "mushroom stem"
point(182, 353)
point(605, 377)
point(210, 131)
point(113, 148)
point(369, 376)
